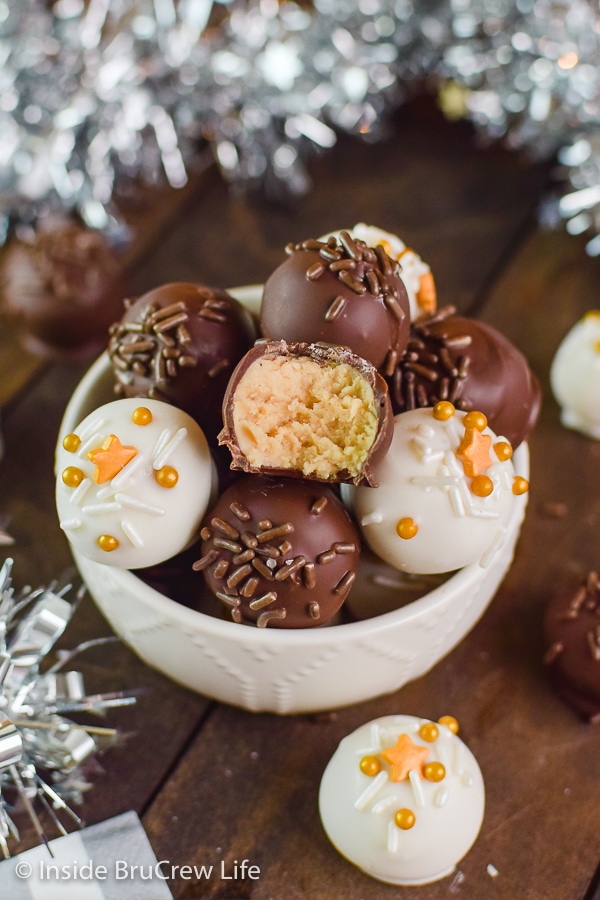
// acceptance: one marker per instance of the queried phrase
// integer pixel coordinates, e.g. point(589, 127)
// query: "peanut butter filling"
point(295, 413)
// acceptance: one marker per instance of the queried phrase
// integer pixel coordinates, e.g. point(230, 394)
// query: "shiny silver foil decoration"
point(43, 753)
point(100, 98)
point(528, 71)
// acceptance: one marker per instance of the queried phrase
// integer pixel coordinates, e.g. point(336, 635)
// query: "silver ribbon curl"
point(35, 734)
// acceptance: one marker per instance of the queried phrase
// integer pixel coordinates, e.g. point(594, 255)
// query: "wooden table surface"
point(212, 782)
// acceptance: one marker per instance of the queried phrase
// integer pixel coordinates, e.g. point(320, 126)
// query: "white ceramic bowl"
point(287, 671)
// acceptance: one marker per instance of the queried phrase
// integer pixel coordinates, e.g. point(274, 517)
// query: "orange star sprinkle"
point(474, 452)
point(110, 459)
point(405, 757)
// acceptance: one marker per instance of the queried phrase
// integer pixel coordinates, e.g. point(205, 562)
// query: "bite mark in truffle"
point(306, 410)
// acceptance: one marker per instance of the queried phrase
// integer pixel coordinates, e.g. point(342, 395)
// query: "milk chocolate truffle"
point(63, 286)
point(279, 552)
point(180, 343)
point(307, 410)
point(339, 292)
point(572, 632)
point(473, 366)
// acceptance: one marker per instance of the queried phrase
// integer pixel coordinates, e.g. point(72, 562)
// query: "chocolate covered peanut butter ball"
point(63, 286)
point(307, 410)
point(279, 552)
point(180, 343)
point(339, 291)
point(473, 366)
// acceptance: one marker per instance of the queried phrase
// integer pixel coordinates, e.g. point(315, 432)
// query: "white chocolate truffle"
point(414, 272)
point(447, 490)
point(575, 376)
point(403, 799)
point(133, 482)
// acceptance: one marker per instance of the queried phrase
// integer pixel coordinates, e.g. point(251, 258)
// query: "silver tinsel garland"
point(530, 74)
point(99, 98)
point(102, 95)
point(43, 753)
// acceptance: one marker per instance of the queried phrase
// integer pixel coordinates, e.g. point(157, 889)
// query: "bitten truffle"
point(339, 292)
point(180, 343)
point(472, 365)
point(307, 410)
point(63, 286)
point(403, 799)
point(572, 632)
point(279, 552)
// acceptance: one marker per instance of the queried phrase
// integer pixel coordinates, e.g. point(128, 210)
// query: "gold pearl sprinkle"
point(71, 443)
point(503, 450)
point(406, 528)
point(520, 485)
point(167, 477)
point(482, 486)
point(405, 818)
point(370, 765)
point(108, 543)
point(443, 410)
point(141, 416)
point(475, 419)
point(434, 771)
point(450, 722)
point(72, 476)
point(429, 732)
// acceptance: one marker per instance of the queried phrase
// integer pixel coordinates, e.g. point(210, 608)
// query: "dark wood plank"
point(17, 366)
point(460, 209)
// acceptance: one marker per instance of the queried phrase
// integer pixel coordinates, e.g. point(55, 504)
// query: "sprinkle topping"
point(474, 451)
point(110, 459)
point(405, 757)
point(360, 268)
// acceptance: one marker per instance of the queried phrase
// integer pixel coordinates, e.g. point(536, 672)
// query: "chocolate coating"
point(279, 553)
point(325, 357)
point(474, 366)
point(63, 287)
point(339, 292)
point(572, 634)
point(180, 343)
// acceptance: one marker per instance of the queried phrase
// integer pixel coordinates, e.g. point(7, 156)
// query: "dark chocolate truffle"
point(473, 366)
point(572, 633)
point(279, 552)
point(307, 410)
point(339, 292)
point(63, 286)
point(180, 343)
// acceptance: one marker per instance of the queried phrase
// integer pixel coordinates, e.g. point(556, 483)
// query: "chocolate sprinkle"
point(248, 578)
